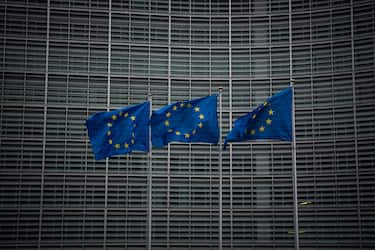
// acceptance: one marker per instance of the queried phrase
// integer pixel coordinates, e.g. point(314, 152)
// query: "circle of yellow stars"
point(109, 133)
point(180, 106)
point(268, 121)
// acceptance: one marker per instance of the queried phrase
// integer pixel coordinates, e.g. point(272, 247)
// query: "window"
point(301, 27)
point(321, 25)
point(200, 62)
point(139, 28)
point(120, 28)
point(240, 31)
point(200, 31)
point(240, 63)
point(159, 29)
point(180, 62)
point(259, 31)
point(280, 29)
point(219, 63)
point(219, 31)
point(180, 30)
point(260, 62)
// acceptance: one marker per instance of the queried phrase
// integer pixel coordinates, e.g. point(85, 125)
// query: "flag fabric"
point(186, 121)
point(120, 131)
point(270, 120)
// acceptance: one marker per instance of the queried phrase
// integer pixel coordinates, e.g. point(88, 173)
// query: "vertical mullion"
point(3, 63)
point(3, 60)
point(23, 135)
point(230, 122)
point(210, 48)
point(294, 144)
point(269, 50)
point(129, 49)
point(87, 105)
point(169, 101)
point(44, 129)
point(189, 233)
point(108, 108)
point(210, 91)
point(355, 126)
point(311, 80)
point(25, 61)
point(66, 121)
point(149, 241)
point(189, 145)
point(220, 172)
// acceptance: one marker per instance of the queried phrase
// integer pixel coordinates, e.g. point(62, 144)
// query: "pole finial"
point(292, 82)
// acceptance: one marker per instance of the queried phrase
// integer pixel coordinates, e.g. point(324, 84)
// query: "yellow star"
point(201, 116)
point(117, 146)
point(253, 132)
point(268, 121)
point(178, 133)
point(270, 112)
point(174, 107)
point(109, 124)
point(200, 125)
point(168, 114)
point(126, 145)
point(254, 116)
point(126, 115)
point(193, 132)
point(261, 129)
point(132, 118)
point(265, 104)
point(108, 133)
point(110, 141)
point(196, 109)
point(187, 135)
point(182, 104)
point(166, 123)
point(114, 117)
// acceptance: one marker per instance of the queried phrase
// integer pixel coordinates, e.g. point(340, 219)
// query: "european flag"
point(270, 120)
point(186, 121)
point(120, 131)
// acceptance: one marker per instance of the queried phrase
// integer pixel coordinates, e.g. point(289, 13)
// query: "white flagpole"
point(294, 172)
point(150, 179)
point(220, 173)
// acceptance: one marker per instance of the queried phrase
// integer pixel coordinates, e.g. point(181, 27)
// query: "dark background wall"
point(64, 60)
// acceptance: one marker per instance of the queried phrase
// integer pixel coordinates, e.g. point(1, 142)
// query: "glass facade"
point(64, 60)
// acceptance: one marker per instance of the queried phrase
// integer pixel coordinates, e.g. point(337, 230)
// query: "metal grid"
point(63, 60)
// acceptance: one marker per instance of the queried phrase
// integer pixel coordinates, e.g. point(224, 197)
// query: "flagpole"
point(150, 178)
point(220, 173)
point(294, 172)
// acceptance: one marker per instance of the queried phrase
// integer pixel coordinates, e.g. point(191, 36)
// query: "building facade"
point(65, 60)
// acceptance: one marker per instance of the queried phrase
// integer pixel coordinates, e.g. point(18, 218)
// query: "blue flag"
point(120, 131)
point(187, 121)
point(270, 120)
